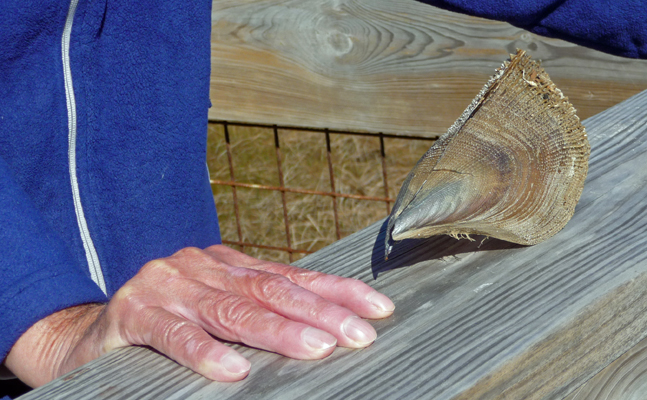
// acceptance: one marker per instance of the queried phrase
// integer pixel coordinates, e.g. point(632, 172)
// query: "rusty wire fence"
point(354, 170)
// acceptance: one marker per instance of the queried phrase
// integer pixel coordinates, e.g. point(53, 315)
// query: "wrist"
point(41, 353)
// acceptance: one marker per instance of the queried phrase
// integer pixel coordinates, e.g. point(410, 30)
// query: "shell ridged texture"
point(511, 167)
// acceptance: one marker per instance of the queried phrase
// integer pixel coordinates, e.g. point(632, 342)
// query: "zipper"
point(90, 252)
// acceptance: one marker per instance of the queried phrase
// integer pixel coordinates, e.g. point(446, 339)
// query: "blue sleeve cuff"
point(38, 276)
point(29, 301)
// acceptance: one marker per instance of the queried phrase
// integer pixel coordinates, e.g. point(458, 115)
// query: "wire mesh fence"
point(284, 192)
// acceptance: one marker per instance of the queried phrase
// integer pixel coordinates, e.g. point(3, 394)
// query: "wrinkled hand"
point(180, 303)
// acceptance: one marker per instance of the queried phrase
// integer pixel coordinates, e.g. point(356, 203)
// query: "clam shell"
point(511, 167)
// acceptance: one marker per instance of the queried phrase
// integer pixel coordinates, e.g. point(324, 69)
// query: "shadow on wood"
point(412, 251)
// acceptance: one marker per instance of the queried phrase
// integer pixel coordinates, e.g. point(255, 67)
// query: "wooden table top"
point(482, 319)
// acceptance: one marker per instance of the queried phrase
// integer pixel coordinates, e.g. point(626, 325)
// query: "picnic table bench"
point(474, 319)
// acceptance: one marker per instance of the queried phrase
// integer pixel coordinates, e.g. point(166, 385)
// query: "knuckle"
point(314, 280)
point(219, 249)
point(271, 286)
point(305, 276)
point(126, 312)
point(174, 333)
point(190, 252)
point(320, 309)
point(158, 267)
point(196, 257)
point(231, 310)
point(126, 295)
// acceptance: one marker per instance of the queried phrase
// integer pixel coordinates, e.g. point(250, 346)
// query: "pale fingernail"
point(235, 363)
point(380, 301)
point(318, 339)
point(359, 331)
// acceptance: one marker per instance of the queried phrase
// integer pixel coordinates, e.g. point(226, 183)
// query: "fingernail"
point(380, 301)
point(318, 339)
point(235, 363)
point(359, 331)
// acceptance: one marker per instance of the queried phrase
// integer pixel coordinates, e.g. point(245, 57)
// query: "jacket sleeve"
point(616, 27)
point(37, 274)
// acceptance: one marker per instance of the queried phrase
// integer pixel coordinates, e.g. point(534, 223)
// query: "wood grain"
point(394, 66)
point(623, 379)
point(474, 320)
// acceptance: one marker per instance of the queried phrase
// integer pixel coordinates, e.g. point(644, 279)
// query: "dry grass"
point(357, 168)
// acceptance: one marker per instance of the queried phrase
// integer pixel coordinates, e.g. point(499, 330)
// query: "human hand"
point(178, 304)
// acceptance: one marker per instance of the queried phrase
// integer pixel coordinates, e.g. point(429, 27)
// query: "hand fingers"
point(280, 295)
point(174, 304)
point(237, 318)
point(350, 293)
point(276, 293)
point(189, 345)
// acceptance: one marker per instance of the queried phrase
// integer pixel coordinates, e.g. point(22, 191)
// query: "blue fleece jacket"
point(614, 26)
point(102, 164)
point(139, 77)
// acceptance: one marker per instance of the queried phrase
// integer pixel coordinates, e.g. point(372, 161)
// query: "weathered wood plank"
point(395, 66)
point(473, 320)
point(623, 379)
